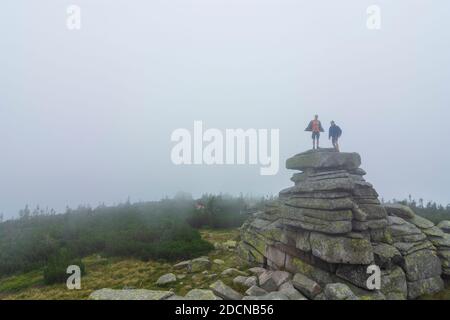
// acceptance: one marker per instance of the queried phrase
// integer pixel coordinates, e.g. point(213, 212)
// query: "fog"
point(86, 116)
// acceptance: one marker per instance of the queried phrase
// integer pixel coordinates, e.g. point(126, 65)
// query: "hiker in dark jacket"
point(334, 133)
point(316, 127)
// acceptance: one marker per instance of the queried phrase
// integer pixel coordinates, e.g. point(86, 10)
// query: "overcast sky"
point(86, 116)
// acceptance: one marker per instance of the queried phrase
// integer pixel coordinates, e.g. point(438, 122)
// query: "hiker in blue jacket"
point(334, 133)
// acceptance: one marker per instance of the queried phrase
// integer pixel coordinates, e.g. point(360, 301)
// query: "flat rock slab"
point(134, 294)
point(324, 159)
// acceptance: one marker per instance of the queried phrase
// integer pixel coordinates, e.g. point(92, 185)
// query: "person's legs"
point(335, 143)
point(315, 138)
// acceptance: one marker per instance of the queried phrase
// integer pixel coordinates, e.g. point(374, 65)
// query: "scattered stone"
point(339, 291)
point(201, 294)
point(293, 294)
point(183, 265)
point(255, 291)
point(166, 279)
point(308, 287)
point(200, 264)
point(230, 244)
point(232, 271)
point(256, 270)
point(224, 291)
point(218, 261)
point(271, 280)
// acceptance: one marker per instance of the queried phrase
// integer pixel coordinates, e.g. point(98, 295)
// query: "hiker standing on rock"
point(316, 127)
point(334, 134)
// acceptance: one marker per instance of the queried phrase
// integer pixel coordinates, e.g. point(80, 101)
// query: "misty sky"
point(86, 116)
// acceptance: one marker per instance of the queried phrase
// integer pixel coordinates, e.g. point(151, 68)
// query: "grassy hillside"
point(119, 273)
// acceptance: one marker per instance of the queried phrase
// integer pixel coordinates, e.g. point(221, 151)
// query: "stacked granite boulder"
point(330, 227)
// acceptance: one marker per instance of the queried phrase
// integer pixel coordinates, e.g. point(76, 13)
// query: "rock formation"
point(330, 227)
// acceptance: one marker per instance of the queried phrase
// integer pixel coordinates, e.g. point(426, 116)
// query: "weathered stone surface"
point(339, 291)
point(297, 265)
point(393, 284)
point(255, 291)
point(305, 285)
point(421, 222)
point(331, 226)
point(323, 160)
point(275, 257)
point(424, 286)
point(355, 274)
point(183, 265)
point(434, 232)
point(292, 218)
point(327, 215)
point(298, 239)
point(321, 204)
point(422, 264)
point(166, 279)
point(386, 255)
point(201, 294)
point(399, 210)
point(225, 292)
point(269, 296)
point(233, 271)
point(218, 261)
point(288, 289)
point(444, 226)
point(335, 249)
point(256, 270)
point(373, 211)
point(245, 281)
point(271, 280)
point(200, 264)
point(133, 294)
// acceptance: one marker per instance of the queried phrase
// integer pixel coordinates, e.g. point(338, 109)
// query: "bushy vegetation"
point(163, 229)
point(430, 210)
point(56, 269)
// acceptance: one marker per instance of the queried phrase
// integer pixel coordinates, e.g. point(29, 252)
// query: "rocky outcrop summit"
point(329, 227)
